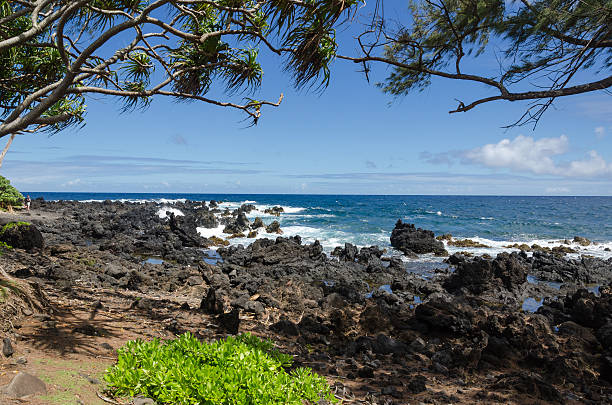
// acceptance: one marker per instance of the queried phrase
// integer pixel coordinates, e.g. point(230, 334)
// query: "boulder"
point(238, 225)
point(257, 223)
point(479, 274)
point(446, 316)
point(274, 227)
point(276, 211)
point(21, 235)
point(230, 321)
point(7, 347)
point(206, 219)
point(285, 327)
point(185, 230)
point(25, 384)
point(409, 239)
point(212, 304)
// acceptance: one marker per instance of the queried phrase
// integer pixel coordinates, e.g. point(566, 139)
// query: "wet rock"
point(409, 239)
point(581, 241)
point(24, 384)
point(206, 219)
point(247, 208)
point(348, 253)
point(369, 254)
point(257, 223)
point(21, 235)
point(276, 211)
point(274, 227)
point(239, 225)
point(585, 270)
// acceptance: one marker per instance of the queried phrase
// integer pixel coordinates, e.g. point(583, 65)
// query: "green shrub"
point(4, 247)
point(237, 370)
point(13, 225)
point(9, 196)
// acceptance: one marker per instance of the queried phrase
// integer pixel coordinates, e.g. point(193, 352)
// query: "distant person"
point(28, 202)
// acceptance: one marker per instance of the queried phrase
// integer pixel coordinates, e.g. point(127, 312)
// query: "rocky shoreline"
point(380, 333)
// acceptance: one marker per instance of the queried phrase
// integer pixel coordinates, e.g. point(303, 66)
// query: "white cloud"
point(520, 154)
point(600, 132)
point(555, 190)
point(525, 154)
point(74, 182)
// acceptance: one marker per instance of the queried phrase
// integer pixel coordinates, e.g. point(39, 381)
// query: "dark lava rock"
point(257, 223)
point(211, 304)
point(408, 239)
point(274, 227)
point(7, 347)
point(479, 275)
point(21, 236)
point(387, 345)
point(206, 219)
point(530, 384)
point(366, 372)
point(587, 270)
point(447, 316)
point(417, 384)
point(230, 321)
point(186, 231)
point(238, 225)
point(347, 254)
point(286, 327)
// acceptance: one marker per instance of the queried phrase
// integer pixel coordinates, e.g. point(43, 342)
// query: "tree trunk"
point(6, 148)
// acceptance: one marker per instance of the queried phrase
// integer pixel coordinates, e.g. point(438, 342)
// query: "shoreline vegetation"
point(81, 279)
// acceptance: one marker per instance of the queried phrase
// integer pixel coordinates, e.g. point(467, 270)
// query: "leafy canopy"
point(55, 52)
point(238, 370)
point(545, 48)
point(9, 196)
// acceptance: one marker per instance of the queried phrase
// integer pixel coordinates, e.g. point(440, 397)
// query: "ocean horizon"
point(365, 220)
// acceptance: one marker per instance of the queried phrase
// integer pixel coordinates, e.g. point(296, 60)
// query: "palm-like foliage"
point(54, 53)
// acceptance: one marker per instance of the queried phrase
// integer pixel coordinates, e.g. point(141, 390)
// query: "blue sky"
point(349, 139)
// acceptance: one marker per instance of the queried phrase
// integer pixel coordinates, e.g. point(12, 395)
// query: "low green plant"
point(9, 196)
point(4, 247)
point(237, 370)
point(13, 225)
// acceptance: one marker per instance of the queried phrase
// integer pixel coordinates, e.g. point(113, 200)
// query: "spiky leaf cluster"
point(52, 56)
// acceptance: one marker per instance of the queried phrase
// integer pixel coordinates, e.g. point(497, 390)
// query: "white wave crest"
point(162, 211)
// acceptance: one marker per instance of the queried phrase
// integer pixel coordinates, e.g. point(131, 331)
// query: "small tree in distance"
point(9, 196)
point(545, 49)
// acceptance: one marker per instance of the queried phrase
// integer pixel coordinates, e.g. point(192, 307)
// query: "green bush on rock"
point(9, 196)
point(238, 370)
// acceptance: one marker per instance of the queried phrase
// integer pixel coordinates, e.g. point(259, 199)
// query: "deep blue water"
point(366, 220)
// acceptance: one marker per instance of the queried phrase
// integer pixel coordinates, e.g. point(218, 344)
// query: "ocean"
point(365, 220)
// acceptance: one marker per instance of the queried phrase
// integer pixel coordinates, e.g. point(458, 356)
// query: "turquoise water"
point(369, 220)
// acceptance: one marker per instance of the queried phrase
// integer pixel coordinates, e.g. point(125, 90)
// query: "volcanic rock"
point(408, 239)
